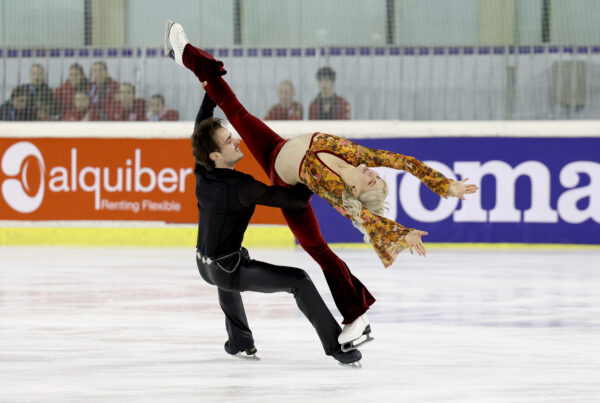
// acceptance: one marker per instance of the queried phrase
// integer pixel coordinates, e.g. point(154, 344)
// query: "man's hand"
point(459, 188)
point(413, 240)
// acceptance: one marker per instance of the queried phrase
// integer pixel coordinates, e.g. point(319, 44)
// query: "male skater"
point(226, 200)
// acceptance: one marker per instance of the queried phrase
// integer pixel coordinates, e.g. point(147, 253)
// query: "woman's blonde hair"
point(374, 201)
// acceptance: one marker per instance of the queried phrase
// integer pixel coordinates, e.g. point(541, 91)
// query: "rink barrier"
point(75, 152)
point(256, 236)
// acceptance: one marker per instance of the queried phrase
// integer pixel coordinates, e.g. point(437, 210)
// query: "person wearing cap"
point(328, 105)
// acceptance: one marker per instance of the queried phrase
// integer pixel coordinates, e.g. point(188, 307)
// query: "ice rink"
point(134, 324)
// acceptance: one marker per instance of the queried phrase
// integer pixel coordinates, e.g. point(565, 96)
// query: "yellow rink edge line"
point(275, 236)
point(256, 236)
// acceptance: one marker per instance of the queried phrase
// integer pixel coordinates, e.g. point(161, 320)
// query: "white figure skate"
point(352, 334)
point(175, 41)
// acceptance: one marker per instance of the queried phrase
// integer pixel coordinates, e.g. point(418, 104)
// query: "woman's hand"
point(204, 84)
point(413, 240)
point(459, 188)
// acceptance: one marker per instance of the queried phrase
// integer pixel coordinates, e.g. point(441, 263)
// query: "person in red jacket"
point(328, 105)
point(127, 107)
point(158, 110)
point(287, 108)
point(82, 109)
point(77, 81)
point(102, 89)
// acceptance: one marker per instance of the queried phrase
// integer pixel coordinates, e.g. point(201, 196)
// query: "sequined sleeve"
point(357, 154)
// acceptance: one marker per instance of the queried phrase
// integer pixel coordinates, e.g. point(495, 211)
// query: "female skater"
point(330, 166)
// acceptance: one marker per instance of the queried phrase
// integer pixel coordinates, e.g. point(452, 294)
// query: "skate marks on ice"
point(132, 324)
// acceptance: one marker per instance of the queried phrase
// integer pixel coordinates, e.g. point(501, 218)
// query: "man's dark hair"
point(19, 91)
point(100, 63)
point(203, 141)
point(326, 72)
point(160, 97)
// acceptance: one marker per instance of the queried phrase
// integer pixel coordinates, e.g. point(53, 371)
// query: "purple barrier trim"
point(297, 52)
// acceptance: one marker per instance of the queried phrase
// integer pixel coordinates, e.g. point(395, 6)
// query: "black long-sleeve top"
point(227, 198)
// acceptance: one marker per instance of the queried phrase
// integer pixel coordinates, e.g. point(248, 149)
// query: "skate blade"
point(242, 356)
point(353, 345)
point(356, 364)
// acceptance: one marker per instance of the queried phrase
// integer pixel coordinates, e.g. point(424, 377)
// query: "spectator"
point(287, 108)
point(40, 92)
point(126, 106)
point(77, 81)
point(17, 109)
point(328, 105)
point(82, 109)
point(158, 110)
point(103, 89)
point(43, 108)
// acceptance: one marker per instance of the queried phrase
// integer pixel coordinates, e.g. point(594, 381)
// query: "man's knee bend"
point(302, 279)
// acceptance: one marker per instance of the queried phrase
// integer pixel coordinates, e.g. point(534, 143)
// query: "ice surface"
point(134, 324)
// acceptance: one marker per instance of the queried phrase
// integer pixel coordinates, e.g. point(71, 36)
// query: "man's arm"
point(255, 192)
point(206, 109)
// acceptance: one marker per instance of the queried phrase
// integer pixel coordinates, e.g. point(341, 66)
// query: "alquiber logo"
point(23, 162)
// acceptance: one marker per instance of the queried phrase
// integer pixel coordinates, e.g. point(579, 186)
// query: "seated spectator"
point(82, 109)
point(40, 92)
point(77, 81)
point(102, 89)
point(126, 106)
point(287, 108)
point(43, 108)
point(17, 109)
point(158, 110)
point(328, 105)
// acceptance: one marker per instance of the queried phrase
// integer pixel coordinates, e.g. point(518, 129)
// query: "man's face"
point(82, 101)
point(326, 87)
point(19, 102)
point(36, 75)
point(285, 92)
point(229, 153)
point(126, 95)
point(98, 74)
point(156, 106)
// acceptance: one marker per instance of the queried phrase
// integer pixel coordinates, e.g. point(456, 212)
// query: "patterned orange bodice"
point(387, 236)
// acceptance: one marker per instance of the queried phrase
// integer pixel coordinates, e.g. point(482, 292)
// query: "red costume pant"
point(351, 297)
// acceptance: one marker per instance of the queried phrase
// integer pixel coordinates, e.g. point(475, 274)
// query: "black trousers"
point(253, 275)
